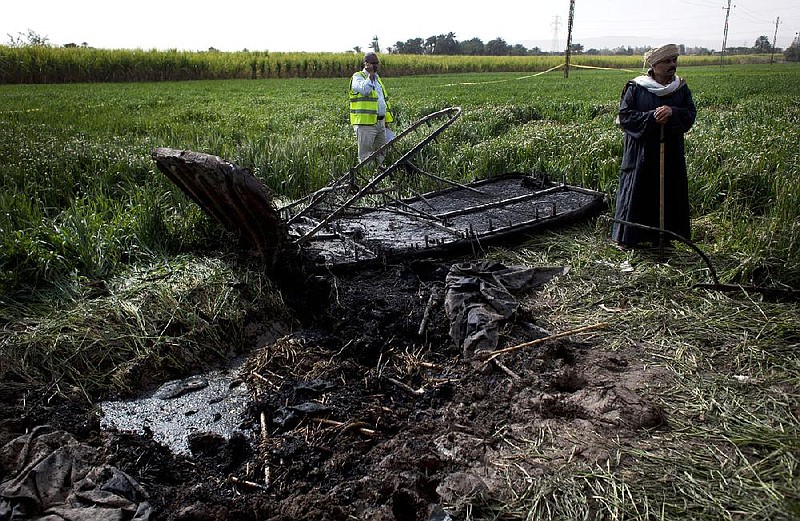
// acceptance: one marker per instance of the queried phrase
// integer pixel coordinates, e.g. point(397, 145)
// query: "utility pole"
point(569, 37)
point(774, 39)
point(725, 34)
point(556, 23)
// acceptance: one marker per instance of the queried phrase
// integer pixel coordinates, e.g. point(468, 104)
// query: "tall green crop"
point(80, 194)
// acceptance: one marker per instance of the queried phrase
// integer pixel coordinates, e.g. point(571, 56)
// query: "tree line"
point(447, 44)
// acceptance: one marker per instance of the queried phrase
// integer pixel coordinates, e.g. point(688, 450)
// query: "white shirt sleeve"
point(362, 85)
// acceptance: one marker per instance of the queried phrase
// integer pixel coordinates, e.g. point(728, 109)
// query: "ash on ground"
point(360, 412)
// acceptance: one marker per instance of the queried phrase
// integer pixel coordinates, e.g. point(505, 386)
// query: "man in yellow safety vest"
point(370, 109)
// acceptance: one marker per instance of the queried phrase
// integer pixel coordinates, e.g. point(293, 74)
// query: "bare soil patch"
point(361, 415)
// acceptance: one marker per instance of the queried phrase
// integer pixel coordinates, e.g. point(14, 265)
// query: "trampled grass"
point(731, 443)
point(105, 264)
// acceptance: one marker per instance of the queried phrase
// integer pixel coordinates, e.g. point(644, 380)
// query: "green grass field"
point(83, 207)
point(81, 195)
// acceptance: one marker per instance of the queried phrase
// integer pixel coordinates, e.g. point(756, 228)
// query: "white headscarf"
point(652, 57)
point(656, 88)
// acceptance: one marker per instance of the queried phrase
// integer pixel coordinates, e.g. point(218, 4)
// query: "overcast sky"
point(333, 26)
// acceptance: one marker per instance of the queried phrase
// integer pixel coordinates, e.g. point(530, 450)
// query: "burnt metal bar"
point(456, 112)
point(500, 202)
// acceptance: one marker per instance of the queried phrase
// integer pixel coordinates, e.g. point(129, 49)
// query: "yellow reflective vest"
point(364, 109)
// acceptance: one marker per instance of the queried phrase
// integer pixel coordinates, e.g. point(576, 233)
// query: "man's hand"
point(662, 114)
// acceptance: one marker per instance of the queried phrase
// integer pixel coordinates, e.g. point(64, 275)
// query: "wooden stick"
point(246, 483)
point(264, 433)
point(426, 316)
point(509, 372)
point(406, 387)
point(270, 384)
point(583, 329)
point(359, 426)
point(661, 220)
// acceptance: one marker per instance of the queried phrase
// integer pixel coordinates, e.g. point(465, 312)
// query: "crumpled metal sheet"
point(230, 194)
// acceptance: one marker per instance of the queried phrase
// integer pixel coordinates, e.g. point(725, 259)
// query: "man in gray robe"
point(655, 112)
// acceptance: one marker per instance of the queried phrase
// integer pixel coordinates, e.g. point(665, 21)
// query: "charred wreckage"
point(367, 216)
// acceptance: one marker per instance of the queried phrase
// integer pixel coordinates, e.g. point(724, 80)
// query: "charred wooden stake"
point(426, 317)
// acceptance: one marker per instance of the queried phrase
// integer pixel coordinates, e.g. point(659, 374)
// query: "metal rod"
point(456, 112)
point(418, 170)
point(681, 238)
point(500, 202)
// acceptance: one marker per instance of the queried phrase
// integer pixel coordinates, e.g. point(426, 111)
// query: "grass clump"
point(155, 322)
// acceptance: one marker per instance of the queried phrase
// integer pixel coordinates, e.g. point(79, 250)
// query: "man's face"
point(666, 67)
point(372, 64)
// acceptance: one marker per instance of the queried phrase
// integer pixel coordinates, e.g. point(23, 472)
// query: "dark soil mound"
point(368, 410)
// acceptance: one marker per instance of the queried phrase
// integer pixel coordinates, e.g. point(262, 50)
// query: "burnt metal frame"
point(346, 183)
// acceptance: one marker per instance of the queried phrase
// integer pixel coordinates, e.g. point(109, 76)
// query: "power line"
point(710, 5)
